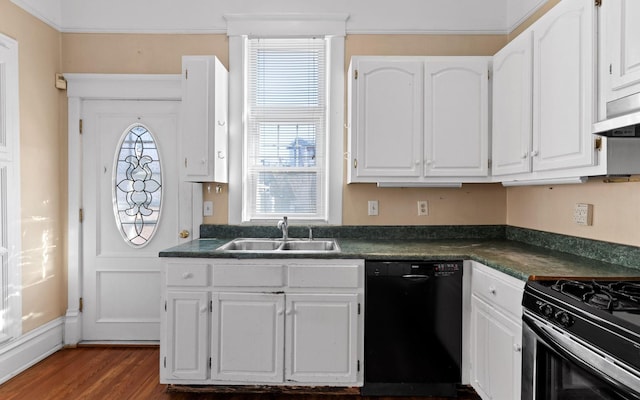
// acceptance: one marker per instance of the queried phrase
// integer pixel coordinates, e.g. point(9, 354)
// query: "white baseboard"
point(20, 354)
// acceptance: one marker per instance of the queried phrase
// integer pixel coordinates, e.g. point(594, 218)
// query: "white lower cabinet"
point(321, 338)
point(247, 338)
point(292, 322)
point(496, 333)
point(188, 314)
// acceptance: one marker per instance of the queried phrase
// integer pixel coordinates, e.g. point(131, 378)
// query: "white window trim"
point(332, 26)
point(10, 157)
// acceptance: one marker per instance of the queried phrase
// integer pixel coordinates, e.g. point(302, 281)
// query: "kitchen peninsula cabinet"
point(496, 333)
point(543, 97)
point(409, 115)
point(204, 116)
point(266, 321)
point(620, 44)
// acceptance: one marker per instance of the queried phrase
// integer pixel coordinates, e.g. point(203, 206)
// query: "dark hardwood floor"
point(119, 373)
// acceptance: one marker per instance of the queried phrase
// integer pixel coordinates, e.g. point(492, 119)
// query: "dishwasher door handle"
point(416, 277)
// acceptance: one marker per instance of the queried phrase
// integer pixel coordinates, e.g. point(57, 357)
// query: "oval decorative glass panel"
point(137, 188)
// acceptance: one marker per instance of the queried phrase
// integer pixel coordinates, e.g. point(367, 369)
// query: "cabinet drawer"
point(498, 289)
point(248, 275)
point(323, 276)
point(187, 274)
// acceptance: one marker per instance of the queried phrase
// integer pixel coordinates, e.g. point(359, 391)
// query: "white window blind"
point(285, 171)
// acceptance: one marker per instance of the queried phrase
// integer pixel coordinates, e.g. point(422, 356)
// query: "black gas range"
point(581, 339)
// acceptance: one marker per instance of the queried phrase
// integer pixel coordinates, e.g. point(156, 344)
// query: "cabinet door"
point(496, 355)
point(512, 84)
point(386, 119)
point(622, 41)
point(456, 117)
point(204, 119)
point(247, 337)
point(563, 86)
point(322, 338)
point(187, 352)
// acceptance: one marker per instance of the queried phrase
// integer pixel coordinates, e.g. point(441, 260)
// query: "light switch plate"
point(372, 207)
point(207, 209)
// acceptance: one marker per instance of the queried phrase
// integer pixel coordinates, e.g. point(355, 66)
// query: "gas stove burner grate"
point(614, 296)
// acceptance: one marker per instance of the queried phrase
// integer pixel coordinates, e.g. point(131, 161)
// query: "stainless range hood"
point(622, 128)
point(623, 118)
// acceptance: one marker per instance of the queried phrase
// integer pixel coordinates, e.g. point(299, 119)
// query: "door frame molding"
point(82, 87)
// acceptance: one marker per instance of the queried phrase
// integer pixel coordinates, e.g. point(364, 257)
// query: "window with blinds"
point(285, 171)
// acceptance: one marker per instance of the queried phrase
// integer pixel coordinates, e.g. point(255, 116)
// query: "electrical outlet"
point(423, 207)
point(207, 209)
point(373, 207)
point(583, 214)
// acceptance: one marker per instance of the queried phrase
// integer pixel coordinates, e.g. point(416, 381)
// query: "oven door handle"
point(621, 378)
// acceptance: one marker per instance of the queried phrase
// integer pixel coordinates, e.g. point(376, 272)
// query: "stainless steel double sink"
point(265, 245)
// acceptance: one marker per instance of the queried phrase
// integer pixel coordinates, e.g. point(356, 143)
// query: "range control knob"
point(546, 310)
point(564, 319)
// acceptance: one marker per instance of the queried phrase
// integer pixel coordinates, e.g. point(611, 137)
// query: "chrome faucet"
point(283, 225)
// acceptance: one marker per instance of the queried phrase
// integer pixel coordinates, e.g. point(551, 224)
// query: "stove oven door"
point(556, 366)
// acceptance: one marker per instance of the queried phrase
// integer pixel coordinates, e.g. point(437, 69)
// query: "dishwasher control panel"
point(403, 268)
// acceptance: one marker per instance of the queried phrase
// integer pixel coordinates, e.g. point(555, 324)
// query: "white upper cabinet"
point(385, 113)
point(418, 119)
point(563, 86)
point(456, 117)
point(512, 85)
point(543, 97)
point(204, 128)
point(620, 58)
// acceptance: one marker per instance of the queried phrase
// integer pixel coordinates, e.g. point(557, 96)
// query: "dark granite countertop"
point(515, 258)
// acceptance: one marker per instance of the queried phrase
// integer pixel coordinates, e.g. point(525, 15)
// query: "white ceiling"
point(207, 16)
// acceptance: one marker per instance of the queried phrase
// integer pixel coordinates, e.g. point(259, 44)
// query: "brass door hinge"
point(81, 215)
point(355, 74)
point(358, 308)
point(80, 127)
point(598, 143)
point(355, 163)
point(186, 74)
point(598, 3)
point(80, 305)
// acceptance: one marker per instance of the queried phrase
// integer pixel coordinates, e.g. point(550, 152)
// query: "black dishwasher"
point(413, 328)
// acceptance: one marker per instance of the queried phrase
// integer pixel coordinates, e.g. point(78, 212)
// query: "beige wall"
point(616, 209)
point(43, 51)
point(43, 161)
point(136, 54)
